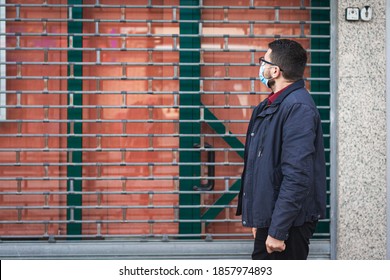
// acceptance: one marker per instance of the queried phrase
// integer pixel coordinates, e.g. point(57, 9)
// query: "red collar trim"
point(272, 97)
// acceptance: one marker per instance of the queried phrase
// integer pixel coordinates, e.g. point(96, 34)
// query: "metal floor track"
point(91, 250)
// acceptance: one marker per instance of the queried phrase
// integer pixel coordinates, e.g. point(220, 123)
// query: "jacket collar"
point(264, 109)
point(294, 86)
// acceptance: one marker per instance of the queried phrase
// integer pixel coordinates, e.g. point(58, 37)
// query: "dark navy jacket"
point(284, 179)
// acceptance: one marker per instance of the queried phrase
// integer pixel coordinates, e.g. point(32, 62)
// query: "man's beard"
point(271, 83)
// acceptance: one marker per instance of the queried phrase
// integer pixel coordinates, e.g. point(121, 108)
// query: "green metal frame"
point(190, 128)
point(76, 141)
point(219, 128)
point(322, 86)
point(189, 114)
point(233, 142)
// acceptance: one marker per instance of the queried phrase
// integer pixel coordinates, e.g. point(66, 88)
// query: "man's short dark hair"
point(290, 56)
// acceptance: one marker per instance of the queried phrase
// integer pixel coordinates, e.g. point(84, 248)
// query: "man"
point(283, 189)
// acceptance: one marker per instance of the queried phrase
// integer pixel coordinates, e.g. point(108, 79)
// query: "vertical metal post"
point(74, 141)
point(192, 85)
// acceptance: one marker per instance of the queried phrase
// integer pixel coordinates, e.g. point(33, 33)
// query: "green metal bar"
point(75, 142)
point(324, 86)
point(219, 128)
point(233, 142)
point(189, 114)
point(225, 199)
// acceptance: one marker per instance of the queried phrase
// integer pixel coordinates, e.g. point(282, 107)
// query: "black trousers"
point(297, 244)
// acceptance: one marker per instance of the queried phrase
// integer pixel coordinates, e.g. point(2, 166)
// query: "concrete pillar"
point(361, 133)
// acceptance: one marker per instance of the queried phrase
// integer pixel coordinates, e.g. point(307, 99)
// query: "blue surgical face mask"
point(263, 79)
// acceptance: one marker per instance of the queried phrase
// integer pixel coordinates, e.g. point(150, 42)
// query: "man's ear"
point(276, 72)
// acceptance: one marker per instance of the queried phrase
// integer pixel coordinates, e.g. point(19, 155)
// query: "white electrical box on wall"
point(352, 13)
point(355, 14)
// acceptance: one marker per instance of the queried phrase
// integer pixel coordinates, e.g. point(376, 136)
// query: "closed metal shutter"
point(125, 120)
